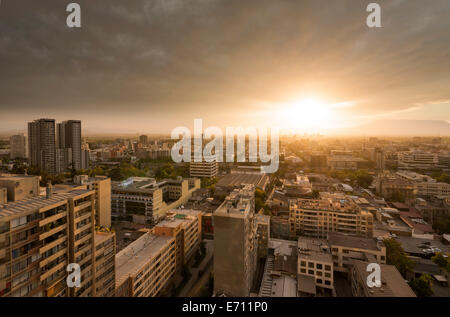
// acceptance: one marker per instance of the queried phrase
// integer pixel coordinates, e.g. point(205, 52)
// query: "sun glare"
point(308, 114)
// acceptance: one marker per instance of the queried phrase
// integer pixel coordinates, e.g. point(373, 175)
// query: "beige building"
point(39, 237)
point(144, 200)
point(102, 187)
point(392, 283)
point(104, 268)
point(185, 227)
point(345, 249)
point(146, 266)
point(315, 267)
point(316, 218)
point(20, 187)
point(203, 169)
point(430, 189)
point(235, 243)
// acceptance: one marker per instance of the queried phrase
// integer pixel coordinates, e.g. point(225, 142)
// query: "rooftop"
point(36, 203)
point(393, 284)
point(421, 246)
point(236, 180)
point(314, 249)
point(131, 259)
point(336, 239)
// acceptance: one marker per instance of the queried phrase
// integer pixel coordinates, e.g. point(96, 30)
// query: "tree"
point(442, 261)
point(364, 180)
point(422, 286)
point(395, 255)
point(442, 224)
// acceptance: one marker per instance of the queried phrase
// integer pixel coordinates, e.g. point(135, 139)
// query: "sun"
point(308, 114)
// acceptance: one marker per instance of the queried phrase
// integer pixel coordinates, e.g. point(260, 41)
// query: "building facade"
point(235, 243)
point(18, 146)
point(41, 145)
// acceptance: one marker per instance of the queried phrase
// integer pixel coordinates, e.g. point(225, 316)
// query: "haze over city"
point(149, 66)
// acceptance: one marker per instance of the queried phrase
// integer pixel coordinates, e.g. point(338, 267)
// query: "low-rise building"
point(345, 249)
point(315, 266)
point(316, 218)
point(144, 200)
point(280, 270)
point(392, 283)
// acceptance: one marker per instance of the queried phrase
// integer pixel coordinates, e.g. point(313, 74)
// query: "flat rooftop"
point(131, 259)
point(393, 284)
point(353, 241)
point(314, 250)
point(36, 203)
point(236, 180)
point(420, 246)
point(100, 237)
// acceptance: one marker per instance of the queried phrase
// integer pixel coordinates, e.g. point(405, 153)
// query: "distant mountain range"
point(397, 128)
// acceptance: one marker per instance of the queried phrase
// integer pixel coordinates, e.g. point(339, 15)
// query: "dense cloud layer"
point(148, 65)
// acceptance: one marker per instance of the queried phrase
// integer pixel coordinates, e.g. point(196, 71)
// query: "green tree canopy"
point(422, 286)
point(395, 255)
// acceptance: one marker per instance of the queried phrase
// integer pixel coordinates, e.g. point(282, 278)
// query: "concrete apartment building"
point(56, 148)
point(235, 243)
point(144, 200)
point(185, 227)
point(42, 145)
point(69, 140)
point(104, 268)
point(315, 267)
point(417, 159)
point(19, 187)
point(18, 146)
point(392, 282)
point(101, 185)
point(316, 218)
point(346, 249)
point(203, 169)
point(424, 185)
point(146, 266)
point(263, 234)
point(39, 236)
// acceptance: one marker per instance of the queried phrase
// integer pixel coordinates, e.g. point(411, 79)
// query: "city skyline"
point(150, 66)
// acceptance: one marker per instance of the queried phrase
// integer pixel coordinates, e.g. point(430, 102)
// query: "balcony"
point(53, 231)
point(51, 245)
point(52, 218)
point(52, 257)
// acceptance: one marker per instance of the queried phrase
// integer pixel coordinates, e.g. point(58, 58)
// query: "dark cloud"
point(170, 60)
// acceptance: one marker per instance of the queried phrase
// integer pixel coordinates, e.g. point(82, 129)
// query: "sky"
point(148, 66)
